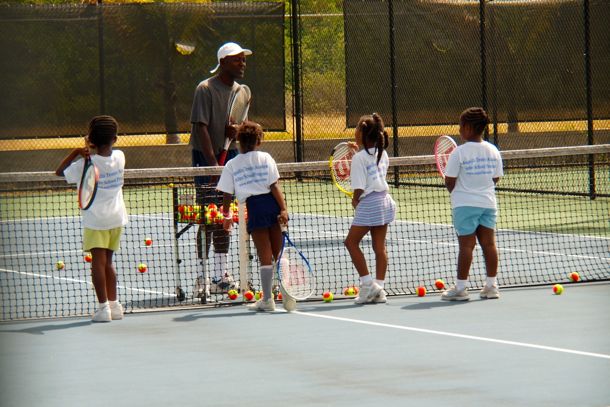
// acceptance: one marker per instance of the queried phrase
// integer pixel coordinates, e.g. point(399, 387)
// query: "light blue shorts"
point(466, 219)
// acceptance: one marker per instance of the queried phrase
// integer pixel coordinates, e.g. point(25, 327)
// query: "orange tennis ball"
point(349, 292)
point(280, 296)
point(558, 289)
point(233, 294)
point(88, 257)
point(249, 295)
point(148, 241)
point(421, 291)
point(328, 296)
point(142, 268)
point(574, 276)
point(439, 284)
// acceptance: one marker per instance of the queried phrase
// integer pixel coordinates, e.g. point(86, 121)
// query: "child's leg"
point(111, 283)
point(276, 238)
point(352, 243)
point(487, 240)
point(378, 235)
point(262, 241)
point(98, 273)
point(467, 244)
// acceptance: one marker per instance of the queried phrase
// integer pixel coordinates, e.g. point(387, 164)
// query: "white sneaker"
point(453, 294)
point(116, 311)
point(262, 305)
point(289, 303)
point(102, 314)
point(223, 285)
point(490, 292)
point(381, 298)
point(200, 288)
point(367, 293)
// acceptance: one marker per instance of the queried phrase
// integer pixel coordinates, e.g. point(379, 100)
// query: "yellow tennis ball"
point(60, 265)
point(258, 295)
point(558, 289)
point(233, 294)
point(328, 296)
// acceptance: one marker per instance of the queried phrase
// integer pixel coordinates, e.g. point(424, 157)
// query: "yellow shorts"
point(102, 239)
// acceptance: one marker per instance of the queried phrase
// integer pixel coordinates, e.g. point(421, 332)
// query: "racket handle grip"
point(222, 158)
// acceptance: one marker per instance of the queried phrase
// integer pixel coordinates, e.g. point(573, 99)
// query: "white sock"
point(366, 280)
point(220, 265)
point(461, 284)
point(490, 281)
point(113, 303)
point(380, 282)
point(267, 281)
point(104, 304)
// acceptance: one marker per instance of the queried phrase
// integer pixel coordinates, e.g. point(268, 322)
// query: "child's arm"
point(495, 180)
point(450, 183)
point(226, 211)
point(276, 191)
point(356, 197)
point(84, 152)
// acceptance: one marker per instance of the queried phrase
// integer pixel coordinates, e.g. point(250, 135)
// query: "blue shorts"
point(466, 219)
point(263, 211)
point(206, 193)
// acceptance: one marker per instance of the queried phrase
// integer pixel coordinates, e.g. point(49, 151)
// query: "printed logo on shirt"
point(480, 166)
point(251, 175)
point(110, 180)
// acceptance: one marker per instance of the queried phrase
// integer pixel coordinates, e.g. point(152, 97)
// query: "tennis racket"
point(340, 164)
point(88, 184)
point(297, 281)
point(239, 103)
point(443, 147)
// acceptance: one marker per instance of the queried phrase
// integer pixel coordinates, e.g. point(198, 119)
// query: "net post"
point(588, 90)
point(393, 88)
point(244, 248)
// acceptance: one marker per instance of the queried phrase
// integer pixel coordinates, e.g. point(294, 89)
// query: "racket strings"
point(295, 275)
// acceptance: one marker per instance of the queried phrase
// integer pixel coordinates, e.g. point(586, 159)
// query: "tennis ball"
point(439, 284)
point(349, 292)
point(258, 295)
point(148, 241)
point(171, 185)
point(328, 296)
point(249, 295)
point(88, 257)
point(60, 265)
point(212, 207)
point(233, 294)
point(280, 296)
point(421, 291)
point(558, 289)
point(574, 276)
point(142, 268)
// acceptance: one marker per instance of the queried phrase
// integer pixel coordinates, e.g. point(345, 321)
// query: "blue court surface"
point(529, 348)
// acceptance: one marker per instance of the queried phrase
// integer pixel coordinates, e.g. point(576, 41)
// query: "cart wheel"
point(180, 294)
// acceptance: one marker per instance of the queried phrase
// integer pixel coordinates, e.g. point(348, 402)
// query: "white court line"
point(75, 280)
point(462, 336)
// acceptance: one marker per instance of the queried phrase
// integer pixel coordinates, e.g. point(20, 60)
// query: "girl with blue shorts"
point(254, 179)
point(373, 205)
point(472, 172)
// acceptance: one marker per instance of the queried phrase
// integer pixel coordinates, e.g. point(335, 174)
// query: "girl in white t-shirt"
point(104, 220)
point(472, 172)
point(374, 207)
point(254, 179)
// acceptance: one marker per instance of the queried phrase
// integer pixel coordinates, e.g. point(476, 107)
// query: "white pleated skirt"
point(375, 209)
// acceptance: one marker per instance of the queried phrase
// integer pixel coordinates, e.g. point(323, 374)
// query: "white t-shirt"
point(249, 174)
point(108, 208)
point(366, 174)
point(475, 165)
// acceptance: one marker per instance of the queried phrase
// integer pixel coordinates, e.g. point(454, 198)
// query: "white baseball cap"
point(228, 49)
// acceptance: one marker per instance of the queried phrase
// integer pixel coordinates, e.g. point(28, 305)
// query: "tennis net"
point(553, 220)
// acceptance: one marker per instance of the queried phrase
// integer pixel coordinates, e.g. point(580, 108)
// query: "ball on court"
point(258, 295)
point(421, 291)
point(439, 284)
point(574, 276)
point(279, 296)
point(233, 294)
point(171, 185)
point(249, 295)
point(148, 241)
point(60, 265)
point(88, 257)
point(328, 296)
point(558, 289)
point(349, 292)
point(142, 268)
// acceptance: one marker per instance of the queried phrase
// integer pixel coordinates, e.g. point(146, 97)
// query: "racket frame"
point(88, 166)
point(242, 88)
point(332, 162)
point(443, 147)
point(285, 292)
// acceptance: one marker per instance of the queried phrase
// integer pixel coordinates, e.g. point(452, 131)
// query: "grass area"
point(314, 127)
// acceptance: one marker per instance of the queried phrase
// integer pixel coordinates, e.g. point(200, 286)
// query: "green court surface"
point(529, 348)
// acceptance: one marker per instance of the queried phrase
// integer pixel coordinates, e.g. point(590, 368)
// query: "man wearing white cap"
point(208, 132)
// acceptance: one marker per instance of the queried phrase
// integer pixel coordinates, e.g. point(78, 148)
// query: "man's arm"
point(206, 143)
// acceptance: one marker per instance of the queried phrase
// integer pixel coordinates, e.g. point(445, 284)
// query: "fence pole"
point(393, 86)
point(297, 94)
point(588, 85)
point(483, 61)
point(100, 45)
